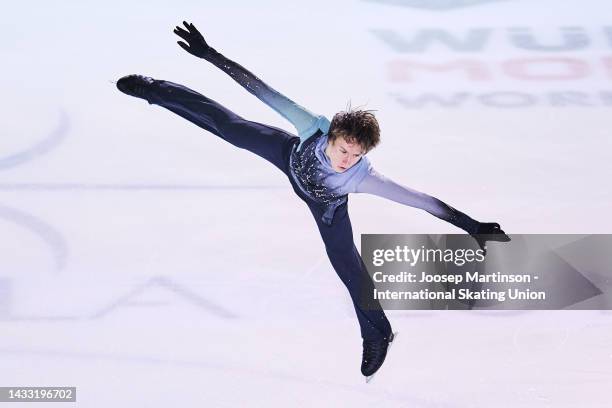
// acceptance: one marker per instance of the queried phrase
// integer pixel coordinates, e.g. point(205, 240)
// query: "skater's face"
point(343, 155)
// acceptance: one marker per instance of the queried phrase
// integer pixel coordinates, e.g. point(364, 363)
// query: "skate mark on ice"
point(166, 283)
point(52, 140)
point(403, 397)
point(37, 226)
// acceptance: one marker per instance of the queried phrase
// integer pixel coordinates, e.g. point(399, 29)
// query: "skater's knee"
point(235, 128)
point(233, 121)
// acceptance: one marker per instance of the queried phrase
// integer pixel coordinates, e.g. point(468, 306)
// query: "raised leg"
point(271, 143)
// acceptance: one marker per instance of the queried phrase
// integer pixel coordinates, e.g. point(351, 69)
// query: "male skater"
point(324, 163)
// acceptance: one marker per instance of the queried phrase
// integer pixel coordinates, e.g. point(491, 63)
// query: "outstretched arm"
point(305, 122)
point(377, 184)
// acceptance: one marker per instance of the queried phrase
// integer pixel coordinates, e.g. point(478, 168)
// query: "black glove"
point(489, 231)
point(196, 45)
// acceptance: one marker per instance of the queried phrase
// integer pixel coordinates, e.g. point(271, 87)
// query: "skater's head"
point(352, 134)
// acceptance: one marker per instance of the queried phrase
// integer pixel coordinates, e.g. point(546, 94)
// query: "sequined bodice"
point(305, 168)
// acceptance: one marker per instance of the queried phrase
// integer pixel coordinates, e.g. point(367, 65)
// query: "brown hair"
point(356, 126)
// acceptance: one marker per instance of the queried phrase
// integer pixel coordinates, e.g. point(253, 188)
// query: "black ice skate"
point(136, 85)
point(374, 353)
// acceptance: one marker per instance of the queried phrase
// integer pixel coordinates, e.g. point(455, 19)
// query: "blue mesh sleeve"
point(377, 184)
point(305, 122)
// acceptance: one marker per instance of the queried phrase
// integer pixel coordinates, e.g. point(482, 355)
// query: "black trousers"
point(275, 145)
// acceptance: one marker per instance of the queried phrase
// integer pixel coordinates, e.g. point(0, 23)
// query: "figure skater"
point(324, 163)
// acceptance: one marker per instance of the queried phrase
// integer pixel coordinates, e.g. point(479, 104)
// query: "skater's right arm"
point(305, 122)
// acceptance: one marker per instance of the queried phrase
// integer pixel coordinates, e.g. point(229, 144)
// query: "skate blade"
point(371, 377)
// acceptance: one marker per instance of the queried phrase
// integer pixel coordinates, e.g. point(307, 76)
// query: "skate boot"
point(136, 85)
point(374, 353)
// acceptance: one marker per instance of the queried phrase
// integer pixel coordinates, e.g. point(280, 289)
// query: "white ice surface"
point(149, 264)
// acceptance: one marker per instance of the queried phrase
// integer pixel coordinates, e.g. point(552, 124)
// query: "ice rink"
point(150, 264)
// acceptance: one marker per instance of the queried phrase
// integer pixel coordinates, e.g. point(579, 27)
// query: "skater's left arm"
point(305, 122)
point(377, 184)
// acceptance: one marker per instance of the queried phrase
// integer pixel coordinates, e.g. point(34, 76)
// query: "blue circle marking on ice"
point(50, 142)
